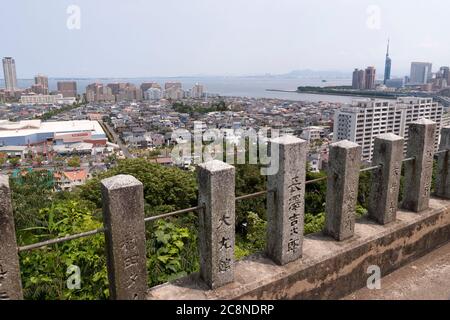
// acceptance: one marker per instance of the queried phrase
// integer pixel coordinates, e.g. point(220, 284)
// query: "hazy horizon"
point(304, 74)
point(196, 38)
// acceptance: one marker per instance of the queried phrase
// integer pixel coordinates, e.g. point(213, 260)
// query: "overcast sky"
point(143, 38)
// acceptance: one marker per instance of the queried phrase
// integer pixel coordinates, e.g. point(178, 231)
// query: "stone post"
point(216, 192)
point(123, 216)
point(342, 189)
point(442, 187)
point(418, 171)
point(10, 281)
point(286, 205)
point(385, 186)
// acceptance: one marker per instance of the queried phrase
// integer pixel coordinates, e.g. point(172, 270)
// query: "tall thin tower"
point(387, 65)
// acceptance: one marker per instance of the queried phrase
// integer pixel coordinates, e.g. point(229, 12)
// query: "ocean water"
point(254, 87)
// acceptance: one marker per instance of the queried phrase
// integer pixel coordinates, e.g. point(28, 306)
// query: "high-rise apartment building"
point(125, 91)
point(9, 72)
point(363, 120)
point(153, 94)
point(445, 71)
point(149, 85)
point(67, 88)
point(173, 90)
point(40, 84)
point(370, 75)
point(97, 92)
point(421, 72)
point(355, 79)
point(172, 85)
point(440, 80)
point(359, 79)
point(174, 93)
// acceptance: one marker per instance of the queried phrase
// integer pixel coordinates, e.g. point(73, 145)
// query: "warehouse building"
point(31, 132)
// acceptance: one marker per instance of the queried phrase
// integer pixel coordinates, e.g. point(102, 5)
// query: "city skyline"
point(193, 40)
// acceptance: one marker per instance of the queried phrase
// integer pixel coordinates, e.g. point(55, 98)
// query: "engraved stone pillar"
point(442, 187)
point(10, 282)
point(418, 172)
point(342, 189)
point(383, 199)
point(286, 205)
point(123, 216)
point(216, 184)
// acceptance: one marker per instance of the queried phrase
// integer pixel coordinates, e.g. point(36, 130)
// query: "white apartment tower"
point(9, 71)
point(363, 120)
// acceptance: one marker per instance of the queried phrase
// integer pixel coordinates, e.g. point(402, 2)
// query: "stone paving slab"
point(427, 278)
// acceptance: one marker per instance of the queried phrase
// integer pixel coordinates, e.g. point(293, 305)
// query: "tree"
point(14, 162)
point(154, 153)
point(74, 162)
point(165, 188)
point(249, 180)
point(31, 191)
point(315, 193)
point(39, 160)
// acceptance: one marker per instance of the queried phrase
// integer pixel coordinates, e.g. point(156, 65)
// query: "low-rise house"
point(66, 180)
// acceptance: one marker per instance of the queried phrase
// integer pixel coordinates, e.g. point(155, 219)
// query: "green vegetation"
point(44, 271)
point(42, 214)
point(74, 162)
point(348, 91)
point(191, 109)
point(14, 162)
point(3, 158)
point(48, 115)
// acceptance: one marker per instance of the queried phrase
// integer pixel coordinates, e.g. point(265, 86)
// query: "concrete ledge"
point(328, 269)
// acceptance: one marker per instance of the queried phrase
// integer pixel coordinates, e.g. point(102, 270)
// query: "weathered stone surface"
point(10, 282)
point(442, 187)
point(421, 136)
point(123, 216)
point(286, 205)
point(342, 189)
point(216, 187)
point(385, 186)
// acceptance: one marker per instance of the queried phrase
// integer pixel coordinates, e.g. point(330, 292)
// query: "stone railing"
point(124, 222)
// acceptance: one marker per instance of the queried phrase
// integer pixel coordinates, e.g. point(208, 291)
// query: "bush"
point(255, 238)
point(44, 271)
point(165, 188)
point(169, 254)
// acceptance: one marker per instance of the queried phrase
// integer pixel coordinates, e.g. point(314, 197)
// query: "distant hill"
point(307, 73)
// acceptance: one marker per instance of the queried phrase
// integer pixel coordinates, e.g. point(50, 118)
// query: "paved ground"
point(427, 278)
